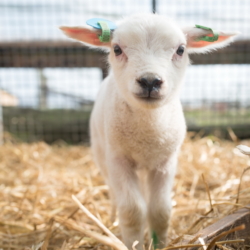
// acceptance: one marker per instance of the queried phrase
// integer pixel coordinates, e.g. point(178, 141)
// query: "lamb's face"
point(148, 55)
point(148, 59)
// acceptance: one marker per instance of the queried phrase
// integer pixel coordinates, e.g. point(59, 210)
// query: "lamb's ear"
point(195, 45)
point(87, 35)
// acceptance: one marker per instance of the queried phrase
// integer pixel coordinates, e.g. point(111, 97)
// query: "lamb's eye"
point(180, 50)
point(117, 50)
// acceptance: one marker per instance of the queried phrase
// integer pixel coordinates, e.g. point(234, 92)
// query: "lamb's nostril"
point(143, 82)
point(157, 82)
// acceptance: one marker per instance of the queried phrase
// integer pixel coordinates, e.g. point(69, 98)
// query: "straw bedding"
point(37, 182)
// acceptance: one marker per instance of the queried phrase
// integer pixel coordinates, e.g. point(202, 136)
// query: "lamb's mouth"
point(150, 97)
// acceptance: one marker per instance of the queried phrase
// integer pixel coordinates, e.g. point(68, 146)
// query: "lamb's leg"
point(159, 207)
point(113, 207)
point(129, 201)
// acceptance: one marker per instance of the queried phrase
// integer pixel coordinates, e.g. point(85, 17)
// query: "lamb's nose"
point(150, 81)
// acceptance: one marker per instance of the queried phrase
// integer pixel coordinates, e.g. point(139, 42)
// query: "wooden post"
point(43, 90)
point(105, 72)
point(1, 123)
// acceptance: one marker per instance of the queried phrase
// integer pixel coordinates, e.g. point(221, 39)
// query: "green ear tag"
point(105, 36)
point(208, 38)
point(155, 240)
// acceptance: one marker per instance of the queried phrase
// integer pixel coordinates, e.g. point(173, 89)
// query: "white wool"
point(130, 134)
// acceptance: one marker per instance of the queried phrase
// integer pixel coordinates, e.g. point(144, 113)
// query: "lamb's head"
point(148, 59)
point(149, 55)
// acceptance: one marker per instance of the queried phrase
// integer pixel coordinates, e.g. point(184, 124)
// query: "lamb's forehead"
point(150, 28)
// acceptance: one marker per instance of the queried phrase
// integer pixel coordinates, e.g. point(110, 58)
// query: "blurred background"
point(48, 83)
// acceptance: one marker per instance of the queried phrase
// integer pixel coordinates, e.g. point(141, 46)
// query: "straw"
point(37, 182)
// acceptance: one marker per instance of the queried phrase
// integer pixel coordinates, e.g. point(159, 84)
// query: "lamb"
point(137, 124)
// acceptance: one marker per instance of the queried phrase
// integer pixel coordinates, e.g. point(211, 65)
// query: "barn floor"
point(37, 182)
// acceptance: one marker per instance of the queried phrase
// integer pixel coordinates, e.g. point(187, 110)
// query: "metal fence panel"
point(48, 83)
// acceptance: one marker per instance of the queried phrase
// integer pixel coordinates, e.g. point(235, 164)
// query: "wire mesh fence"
point(48, 83)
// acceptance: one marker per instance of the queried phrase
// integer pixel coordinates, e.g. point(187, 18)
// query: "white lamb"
point(137, 123)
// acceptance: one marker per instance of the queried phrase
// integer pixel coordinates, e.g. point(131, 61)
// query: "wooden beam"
point(242, 216)
point(240, 129)
point(41, 54)
point(236, 53)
